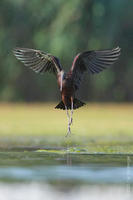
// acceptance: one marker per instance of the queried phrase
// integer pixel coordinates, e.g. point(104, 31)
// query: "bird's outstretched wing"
point(93, 62)
point(37, 60)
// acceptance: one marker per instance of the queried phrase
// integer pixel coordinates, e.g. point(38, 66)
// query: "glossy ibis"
point(88, 61)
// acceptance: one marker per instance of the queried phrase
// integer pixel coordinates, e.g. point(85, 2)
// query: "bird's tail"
point(60, 106)
point(76, 104)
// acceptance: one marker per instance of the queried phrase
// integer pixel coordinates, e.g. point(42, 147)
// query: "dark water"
point(56, 173)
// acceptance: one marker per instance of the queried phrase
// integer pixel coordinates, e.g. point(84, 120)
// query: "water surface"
point(63, 171)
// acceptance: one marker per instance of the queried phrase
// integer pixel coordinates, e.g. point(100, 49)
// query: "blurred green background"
point(65, 28)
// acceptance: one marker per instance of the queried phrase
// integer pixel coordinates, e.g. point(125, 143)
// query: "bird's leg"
point(69, 123)
point(71, 119)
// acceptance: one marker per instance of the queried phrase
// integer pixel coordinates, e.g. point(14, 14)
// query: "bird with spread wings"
point(88, 61)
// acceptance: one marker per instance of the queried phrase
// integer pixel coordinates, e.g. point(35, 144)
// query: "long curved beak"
point(61, 81)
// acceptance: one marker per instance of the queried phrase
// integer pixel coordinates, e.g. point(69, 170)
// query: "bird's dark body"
point(68, 91)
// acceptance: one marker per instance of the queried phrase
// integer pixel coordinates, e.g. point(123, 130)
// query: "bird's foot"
point(69, 131)
point(68, 134)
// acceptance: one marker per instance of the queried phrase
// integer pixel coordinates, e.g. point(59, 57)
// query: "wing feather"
point(93, 62)
point(37, 60)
